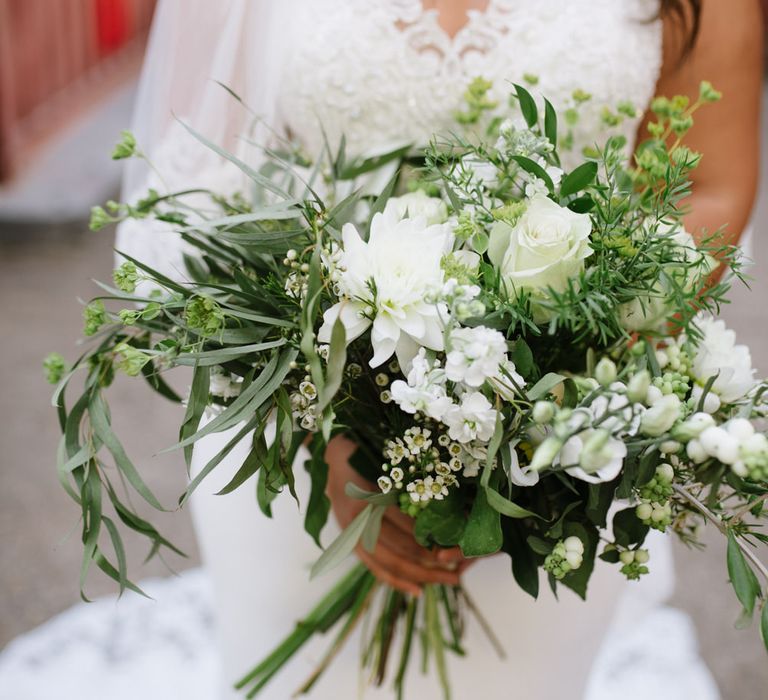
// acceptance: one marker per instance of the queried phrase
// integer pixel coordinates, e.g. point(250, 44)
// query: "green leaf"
point(545, 385)
point(525, 568)
point(578, 178)
point(482, 534)
point(100, 422)
point(372, 529)
point(628, 530)
point(441, 522)
point(600, 500)
point(506, 507)
point(249, 467)
point(522, 357)
point(536, 170)
point(527, 106)
point(345, 543)
point(198, 400)
point(319, 504)
point(742, 577)
point(764, 624)
point(258, 178)
point(219, 457)
point(337, 360)
point(550, 123)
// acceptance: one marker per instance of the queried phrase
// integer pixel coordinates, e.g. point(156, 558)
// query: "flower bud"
point(669, 447)
point(638, 386)
point(545, 453)
point(605, 371)
point(596, 454)
point(543, 412)
point(693, 426)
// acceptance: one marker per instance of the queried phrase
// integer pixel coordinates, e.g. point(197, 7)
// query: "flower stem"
point(720, 525)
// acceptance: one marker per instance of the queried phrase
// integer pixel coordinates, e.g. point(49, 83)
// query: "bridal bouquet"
point(525, 357)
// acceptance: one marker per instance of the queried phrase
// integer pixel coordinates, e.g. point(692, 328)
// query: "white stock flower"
point(473, 419)
point(505, 379)
point(661, 416)
point(425, 389)
point(385, 282)
point(475, 355)
point(718, 354)
point(545, 248)
point(416, 204)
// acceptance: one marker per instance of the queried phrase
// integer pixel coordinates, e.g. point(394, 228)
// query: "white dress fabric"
point(380, 72)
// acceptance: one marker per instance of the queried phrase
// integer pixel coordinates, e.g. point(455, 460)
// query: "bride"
point(391, 71)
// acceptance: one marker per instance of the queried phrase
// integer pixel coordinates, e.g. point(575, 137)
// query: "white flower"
point(385, 484)
point(415, 204)
point(718, 354)
point(385, 282)
point(505, 379)
point(475, 355)
point(546, 247)
point(473, 419)
point(483, 172)
point(224, 384)
point(661, 416)
point(596, 456)
point(424, 390)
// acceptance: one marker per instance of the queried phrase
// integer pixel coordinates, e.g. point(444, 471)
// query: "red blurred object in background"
point(57, 57)
point(112, 28)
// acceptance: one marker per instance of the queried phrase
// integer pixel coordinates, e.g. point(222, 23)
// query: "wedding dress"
point(384, 72)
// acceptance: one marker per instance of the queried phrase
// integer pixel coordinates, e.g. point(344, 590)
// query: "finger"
point(404, 545)
point(413, 571)
point(386, 576)
point(450, 555)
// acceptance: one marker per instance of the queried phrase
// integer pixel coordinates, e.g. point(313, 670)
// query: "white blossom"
point(719, 355)
point(473, 419)
point(475, 355)
point(384, 284)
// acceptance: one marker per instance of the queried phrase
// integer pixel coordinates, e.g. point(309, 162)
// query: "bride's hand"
point(398, 559)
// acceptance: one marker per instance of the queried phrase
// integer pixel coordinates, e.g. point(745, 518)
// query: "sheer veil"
point(195, 48)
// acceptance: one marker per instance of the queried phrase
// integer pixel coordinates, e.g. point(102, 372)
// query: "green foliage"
point(55, 366)
point(126, 147)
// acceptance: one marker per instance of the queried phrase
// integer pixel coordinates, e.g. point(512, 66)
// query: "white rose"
point(718, 354)
point(415, 204)
point(386, 281)
point(545, 248)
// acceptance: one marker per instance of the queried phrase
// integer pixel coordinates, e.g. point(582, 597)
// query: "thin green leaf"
point(345, 543)
point(742, 577)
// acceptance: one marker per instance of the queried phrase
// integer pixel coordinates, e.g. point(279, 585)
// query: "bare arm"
point(728, 53)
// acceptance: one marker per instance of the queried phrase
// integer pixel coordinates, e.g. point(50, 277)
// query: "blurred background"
point(68, 70)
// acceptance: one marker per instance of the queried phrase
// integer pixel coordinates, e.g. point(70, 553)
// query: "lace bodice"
point(384, 71)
